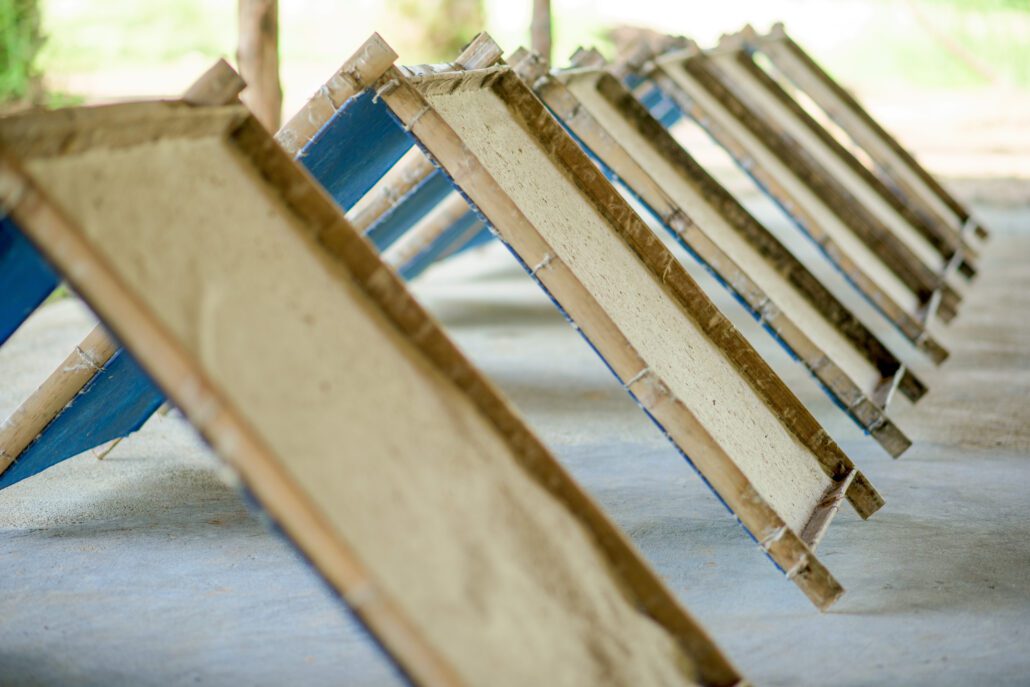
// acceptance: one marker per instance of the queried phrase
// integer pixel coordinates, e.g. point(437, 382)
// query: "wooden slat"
point(796, 199)
point(914, 274)
point(427, 232)
point(219, 85)
point(549, 265)
point(824, 512)
point(932, 230)
point(409, 174)
point(468, 231)
point(908, 176)
point(639, 140)
point(766, 96)
point(350, 79)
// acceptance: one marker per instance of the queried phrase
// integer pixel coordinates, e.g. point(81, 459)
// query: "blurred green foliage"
point(86, 36)
point(900, 43)
point(943, 44)
point(444, 27)
point(20, 43)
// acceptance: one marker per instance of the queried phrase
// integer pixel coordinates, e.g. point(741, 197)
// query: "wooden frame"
point(88, 363)
point(700, 213)
point(220, 85)
point(929, 237)
point(792, 550)
point(767, 120)
point(787, 174)
point(451, 215)
point(332, 248)
point(907, 178)
point(925, 240)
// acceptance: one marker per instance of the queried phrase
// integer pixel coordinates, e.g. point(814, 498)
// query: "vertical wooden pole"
point(540, 29)
point(258, 58)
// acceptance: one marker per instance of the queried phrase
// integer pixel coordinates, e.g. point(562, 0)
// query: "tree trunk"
point(258, 58)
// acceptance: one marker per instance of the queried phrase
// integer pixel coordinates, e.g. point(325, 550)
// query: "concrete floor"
point(147, 569)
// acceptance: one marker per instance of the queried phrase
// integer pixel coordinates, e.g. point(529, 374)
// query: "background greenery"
point(20, 42)
point(868, 43)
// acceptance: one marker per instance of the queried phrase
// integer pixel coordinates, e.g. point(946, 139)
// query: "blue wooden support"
point(25, 279)
point(661, 106)
point(355, 148)
point(452, 240)
point(484, 236)
point(115, 403)
point(409, 210)
point(352, 152)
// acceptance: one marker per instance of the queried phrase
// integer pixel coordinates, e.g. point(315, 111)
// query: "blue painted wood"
point(484, 236)
point(353, 150)
point(25, 278)
point(115, 403)
point(409, 210)
point(662, 107)
point(447, 243)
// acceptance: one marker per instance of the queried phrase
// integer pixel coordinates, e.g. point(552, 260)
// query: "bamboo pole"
point(411, 171)
point(258, 58)
point(51, 397)
point(442, 218)
point(540, 29)
point(219, 85)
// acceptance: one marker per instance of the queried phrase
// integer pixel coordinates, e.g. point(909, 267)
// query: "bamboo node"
point(354, 74)
point(323, 92)
point(88, 359)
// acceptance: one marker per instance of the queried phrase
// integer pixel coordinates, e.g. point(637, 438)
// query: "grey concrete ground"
point(147, 569)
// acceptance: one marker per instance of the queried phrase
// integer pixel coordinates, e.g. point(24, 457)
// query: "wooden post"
point(258, 59)
point(540, 29)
